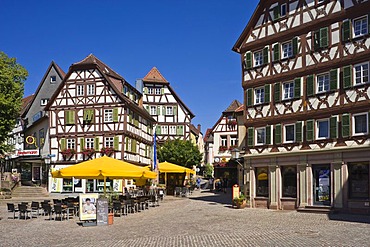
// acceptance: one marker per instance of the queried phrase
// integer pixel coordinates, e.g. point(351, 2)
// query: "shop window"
point(358, 180)
point(289, 176)
point(262, 183)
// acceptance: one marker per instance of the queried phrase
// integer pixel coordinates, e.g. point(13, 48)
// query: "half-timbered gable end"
point(164, 105)
point(305, 76)
point(97, 112)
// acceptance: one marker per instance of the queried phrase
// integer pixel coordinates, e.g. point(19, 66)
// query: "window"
point(169, 110)
point(262, 182)
point(358, 180)
point(360, 26)
point(53, 79)
point(157, 90)
point(153, 110)
point(283, 10)
point(287, 49)
point(258, 58)
point(108, 115)
point(261, 136)
point(125, 90)
point(80, 90)
point(361, 73)
point(164, 130)
point(322, 129)
point(150, 90)
point(259, 95)
point(71, 143)
point(289, 133)
point(89, 143)
point(172, 130)
point(224, 141)
point(109, 142)
point(289, 176)
point(288, 90)
point(90, 89)
point(44, 101)
point(233, 141)
point(360, 124)
point(323, 83)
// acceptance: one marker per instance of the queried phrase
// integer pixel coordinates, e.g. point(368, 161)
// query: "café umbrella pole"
point(105, 186)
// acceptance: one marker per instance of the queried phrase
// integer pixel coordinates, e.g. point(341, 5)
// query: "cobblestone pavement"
point(204, 219)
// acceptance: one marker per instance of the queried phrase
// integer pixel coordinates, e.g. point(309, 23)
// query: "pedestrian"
point(198, 183)
point(210, 181)
point(225, 184)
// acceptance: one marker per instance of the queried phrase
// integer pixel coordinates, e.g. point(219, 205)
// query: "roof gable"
point(154, 76)
point(233, 106)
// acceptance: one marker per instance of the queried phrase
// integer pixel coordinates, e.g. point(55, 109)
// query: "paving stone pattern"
point(204, 219)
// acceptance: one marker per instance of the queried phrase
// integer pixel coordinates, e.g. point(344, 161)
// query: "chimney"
point(199, 128)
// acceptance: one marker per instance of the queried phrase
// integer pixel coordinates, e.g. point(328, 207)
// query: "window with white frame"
point(258, 58)
point(360, 122)
point(259, 95)
point(169, 110)
point(164, 130)
point(224, 141)
point(108, 115)
point(80, 90)
point(233, 141)
point(288, 88)
point(89, 142)
point(44, 101)
point(287, 49)
point(71, 143)
point(53, 79)
point(323, 81)
point(360, 26)
point(172, 130)
point(361, 73)
point(153, 110)
point(289, 131)
point(260, 136)
point(150, 90)
point(109, 142)
point(157, 90)
point(90, 89)
point(323, 129)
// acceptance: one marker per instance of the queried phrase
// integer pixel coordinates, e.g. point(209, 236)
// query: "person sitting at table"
point(88, 207)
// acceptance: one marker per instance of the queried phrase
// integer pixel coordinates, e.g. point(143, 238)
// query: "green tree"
point(179, 152)
point(12, 77)
point(208, 170)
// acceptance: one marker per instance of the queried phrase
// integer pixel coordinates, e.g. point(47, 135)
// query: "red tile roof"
point(154, 76)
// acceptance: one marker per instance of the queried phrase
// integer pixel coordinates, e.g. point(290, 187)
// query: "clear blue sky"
point(189, 41)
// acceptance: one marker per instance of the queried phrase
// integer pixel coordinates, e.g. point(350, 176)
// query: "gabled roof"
point(240, 108)
point(194, 129)
point(155, 76)
point(26, 101)
point(61, 74)
point(233, 106)
point(208, 135)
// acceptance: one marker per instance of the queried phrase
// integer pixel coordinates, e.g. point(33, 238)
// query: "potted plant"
point(108, 151)
point(68, 151)
point(222, 148)
point(88, 151)
point(240, 202)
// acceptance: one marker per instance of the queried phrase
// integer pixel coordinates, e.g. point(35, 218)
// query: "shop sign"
point(34, 152)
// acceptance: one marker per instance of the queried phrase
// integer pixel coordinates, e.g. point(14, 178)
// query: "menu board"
point(102, 212)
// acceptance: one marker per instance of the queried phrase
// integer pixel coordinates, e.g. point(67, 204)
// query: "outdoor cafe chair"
point(47, 210)
point(177, 191)
point(131, 206)
point(70, 210)
point(23, 211)
point(117, 208)
point(58, 210)
point(35, 207)
point(12, 209)
point(184, 191)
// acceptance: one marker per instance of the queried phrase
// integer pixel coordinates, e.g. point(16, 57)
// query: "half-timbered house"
point(305, 70)
point(96, 112)
point(165, 106)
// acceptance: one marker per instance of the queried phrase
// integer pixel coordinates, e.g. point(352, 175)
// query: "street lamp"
point(235, 157)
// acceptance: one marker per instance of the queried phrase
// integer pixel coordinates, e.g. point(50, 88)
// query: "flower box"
point(222, 148)
point(88, 151)
point(68, 151)
point(108, 151)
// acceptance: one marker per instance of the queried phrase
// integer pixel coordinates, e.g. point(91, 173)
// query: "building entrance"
point(321, 184)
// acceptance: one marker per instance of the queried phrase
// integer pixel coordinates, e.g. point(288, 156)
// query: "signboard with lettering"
point(31, 152)
point(102, 212)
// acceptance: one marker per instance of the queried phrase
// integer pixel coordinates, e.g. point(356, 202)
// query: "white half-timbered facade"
point(164, 105)
point(97, 112)
point(305, 76)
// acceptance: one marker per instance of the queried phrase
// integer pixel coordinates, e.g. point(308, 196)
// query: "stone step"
point(316, 209)
point(29, 191)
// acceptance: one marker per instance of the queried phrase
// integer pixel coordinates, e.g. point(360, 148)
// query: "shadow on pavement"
point(350, 218)
point(215, 198)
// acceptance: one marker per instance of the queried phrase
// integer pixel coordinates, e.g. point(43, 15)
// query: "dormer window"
point(53, 79)
point(283, 9)
point(44, 102)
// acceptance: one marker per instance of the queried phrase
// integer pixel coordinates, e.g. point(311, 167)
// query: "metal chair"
point(12, 209)
point(35, 207)
point(58, 210)
point(23, 211)
point(47, 210)
point(117, 208)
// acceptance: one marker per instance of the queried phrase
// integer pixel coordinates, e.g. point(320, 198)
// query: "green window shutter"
point(126, 143)
point(298, 131)
point(276, 52)
point(158, 110)
point(267, 93)
point(333, 127)
point(333, 79)
point(82, 144)
point(129, 116)
point(265, 53)
point(158, 130)
point(346, 125)
point(147, 108)
point(145, 90)
point(88, 115)
point(180, 130)
point(310, 85)
point(96, 144)
point(175, 110)
point(295, 46)
point(66, 117)
point(164, 112)
point(324, 37)
point(250, 137)
point(162, 90)
point(91, 115)
point(115, 115)
point(62, 144)
point(346, 30)
point(116, 143)
point(276, 12)
point(277, 87)
point(249, 97)
point(277, 134)
point(248, 60)
point(297, 88)
point(347, 76)
point(69, 117)
point(309, 130)
point(316, 40)
point(268, 134)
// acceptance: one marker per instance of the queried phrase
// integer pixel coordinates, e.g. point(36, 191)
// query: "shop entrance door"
point(321, 184)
